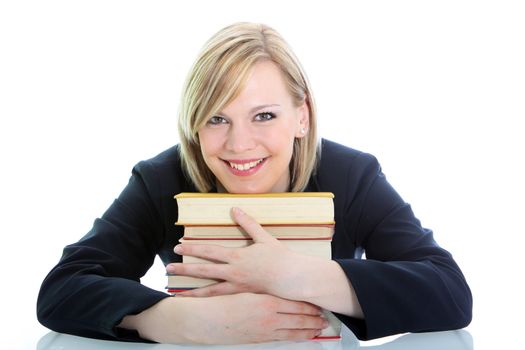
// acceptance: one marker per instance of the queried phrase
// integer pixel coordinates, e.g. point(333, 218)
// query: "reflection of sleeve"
point(96, 283)
point(407, 282)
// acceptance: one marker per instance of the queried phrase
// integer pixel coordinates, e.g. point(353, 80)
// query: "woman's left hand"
point(266, 266)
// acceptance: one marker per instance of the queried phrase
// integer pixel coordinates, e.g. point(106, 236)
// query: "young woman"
point(247, 124)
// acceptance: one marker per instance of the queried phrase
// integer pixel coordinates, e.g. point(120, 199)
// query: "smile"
point(245, 167)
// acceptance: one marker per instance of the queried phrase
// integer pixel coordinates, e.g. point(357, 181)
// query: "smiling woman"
point(248, 125)
point(248, 73)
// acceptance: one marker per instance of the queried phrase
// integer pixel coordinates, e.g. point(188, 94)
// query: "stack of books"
point(303, 221)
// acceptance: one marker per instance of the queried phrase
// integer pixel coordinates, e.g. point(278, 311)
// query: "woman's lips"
point(244, 167)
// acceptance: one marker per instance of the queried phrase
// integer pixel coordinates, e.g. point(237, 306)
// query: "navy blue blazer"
point(407, 283)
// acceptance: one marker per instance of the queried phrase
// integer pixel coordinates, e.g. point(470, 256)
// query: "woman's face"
point(249, 144)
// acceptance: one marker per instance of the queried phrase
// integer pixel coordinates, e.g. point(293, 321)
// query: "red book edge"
point(177, 290)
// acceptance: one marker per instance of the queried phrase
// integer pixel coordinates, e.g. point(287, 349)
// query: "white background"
point(434, 89)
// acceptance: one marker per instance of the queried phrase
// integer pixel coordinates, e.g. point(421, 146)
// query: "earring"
point(303, 131)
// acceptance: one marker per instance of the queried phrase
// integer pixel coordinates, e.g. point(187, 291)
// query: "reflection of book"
point(271, 208)
point(304, 222)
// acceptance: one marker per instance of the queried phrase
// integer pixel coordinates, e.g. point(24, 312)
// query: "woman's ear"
point(304, 119)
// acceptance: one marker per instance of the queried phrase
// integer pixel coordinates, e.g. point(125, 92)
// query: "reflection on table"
point(450, 340)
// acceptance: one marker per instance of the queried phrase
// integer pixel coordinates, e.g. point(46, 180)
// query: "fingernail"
point(237, 211)
point(170, 269)
point(177, 249)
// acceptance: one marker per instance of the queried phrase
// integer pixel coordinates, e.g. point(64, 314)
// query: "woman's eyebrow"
point(253, 110)
point(256, 108)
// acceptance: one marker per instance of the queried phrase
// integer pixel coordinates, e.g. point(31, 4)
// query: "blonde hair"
point(218, 76)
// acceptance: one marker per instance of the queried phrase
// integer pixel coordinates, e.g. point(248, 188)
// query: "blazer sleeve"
point(97, 281)
point(407, 283)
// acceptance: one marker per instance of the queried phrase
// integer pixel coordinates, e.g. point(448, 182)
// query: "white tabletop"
point(450, 340)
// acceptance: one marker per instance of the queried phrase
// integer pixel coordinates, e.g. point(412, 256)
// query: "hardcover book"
point(269, 208)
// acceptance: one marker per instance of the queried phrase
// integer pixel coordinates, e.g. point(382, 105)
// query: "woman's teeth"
point(245, 166)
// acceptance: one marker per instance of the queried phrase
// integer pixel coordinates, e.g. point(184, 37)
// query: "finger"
point(212, 271)
point(256, 232)
point(221, 288)
point(296, 307)
point(205, 251)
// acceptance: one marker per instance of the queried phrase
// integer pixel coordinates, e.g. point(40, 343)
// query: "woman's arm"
point(97, 280)
point(229, 319)
point(407, 283)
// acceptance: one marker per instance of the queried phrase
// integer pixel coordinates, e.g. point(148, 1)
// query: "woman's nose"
point(240, 138)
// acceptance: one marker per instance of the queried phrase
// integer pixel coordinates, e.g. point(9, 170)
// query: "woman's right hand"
point(227, 319)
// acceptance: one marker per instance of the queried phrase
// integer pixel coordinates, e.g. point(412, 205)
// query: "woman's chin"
point(244, 189)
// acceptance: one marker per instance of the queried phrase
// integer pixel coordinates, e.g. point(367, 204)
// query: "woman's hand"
point(266, 266)
point(228, 319)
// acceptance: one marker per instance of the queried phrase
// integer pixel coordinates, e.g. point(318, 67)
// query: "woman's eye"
point(215, 120)
point(264, 116)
